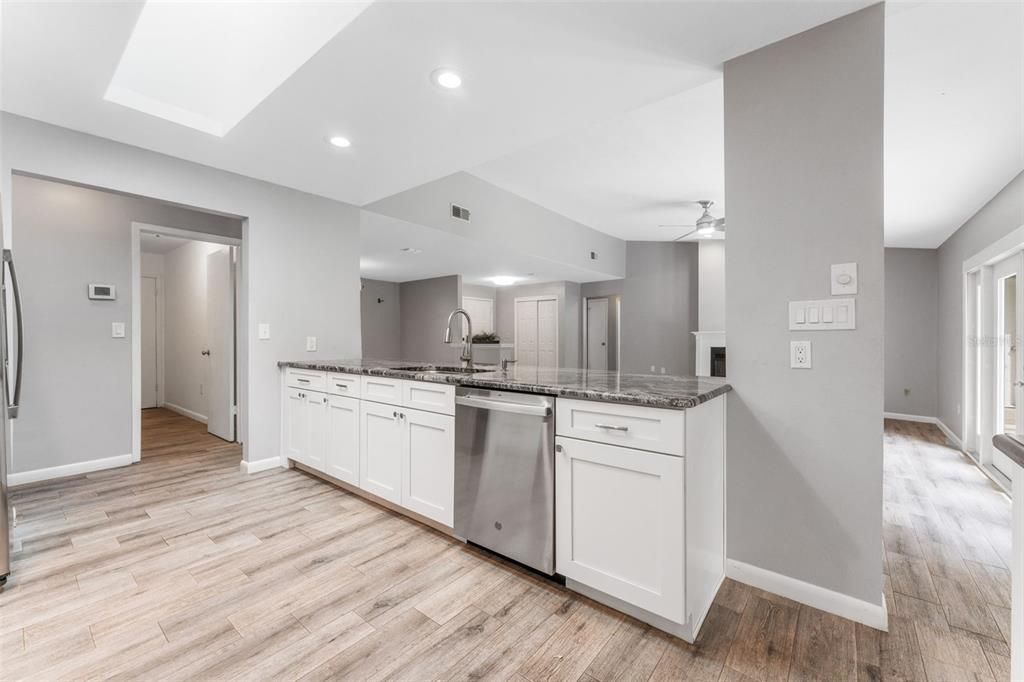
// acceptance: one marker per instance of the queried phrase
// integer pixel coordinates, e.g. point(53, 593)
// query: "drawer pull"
point(342, 386)
point(612, 427)
point(303, 381)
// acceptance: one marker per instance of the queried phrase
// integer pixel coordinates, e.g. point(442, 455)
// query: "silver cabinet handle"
point(612, 427)
point(12, 405)
point(559, 448)
point(503, 406)
point(343, 387)
point(301, 381)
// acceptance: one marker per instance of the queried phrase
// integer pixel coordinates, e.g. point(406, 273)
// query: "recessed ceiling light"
point(446, 78)
point(339, 141)
point(504, 280)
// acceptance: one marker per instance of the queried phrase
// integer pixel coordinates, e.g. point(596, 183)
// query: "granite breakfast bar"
point(639, 466)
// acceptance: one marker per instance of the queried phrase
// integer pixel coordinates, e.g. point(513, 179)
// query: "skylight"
point(206, 65)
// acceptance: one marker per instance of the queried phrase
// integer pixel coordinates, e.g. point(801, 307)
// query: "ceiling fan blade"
point(677, 226)
point(685, 235)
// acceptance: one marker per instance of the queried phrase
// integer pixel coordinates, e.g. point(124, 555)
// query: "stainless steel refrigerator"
point(9, 398)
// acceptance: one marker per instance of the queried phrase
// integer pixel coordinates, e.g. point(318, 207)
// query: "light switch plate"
point(310, 343)
point(800, 354)
point(264, 331)
point(844, 279)
point(117, 330)
point(830, 314)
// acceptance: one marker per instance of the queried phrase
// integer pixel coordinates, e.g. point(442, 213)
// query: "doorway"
point(1007, 380)
point(184, 341)
point(536, 331)
point(601, 332)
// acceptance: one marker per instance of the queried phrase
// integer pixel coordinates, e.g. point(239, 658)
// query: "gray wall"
point(659, 307)
point(503, 220)
point(299, 261)
point(77, 378)
point(911, 331)
point(381, 320)
point(1000, 216)
point(425, 306)
point(803, 174)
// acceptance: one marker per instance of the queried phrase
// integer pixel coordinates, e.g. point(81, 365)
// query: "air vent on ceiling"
point(460, 213)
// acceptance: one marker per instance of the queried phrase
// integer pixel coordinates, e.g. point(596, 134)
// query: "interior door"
point(220, 330)
point(526, 333)
point(547, 333)
point(597, 333)
point(1009, 379)
point(150, 361)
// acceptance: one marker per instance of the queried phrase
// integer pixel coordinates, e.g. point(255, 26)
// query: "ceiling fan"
point(706, 225)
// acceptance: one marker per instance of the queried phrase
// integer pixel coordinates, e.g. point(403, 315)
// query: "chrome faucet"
point(467, 347)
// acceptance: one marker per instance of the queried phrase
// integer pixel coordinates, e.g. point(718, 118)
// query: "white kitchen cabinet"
point(381, 446)
point(341, 456)
point(305, 413)
point(619, 523)
point(428, 465)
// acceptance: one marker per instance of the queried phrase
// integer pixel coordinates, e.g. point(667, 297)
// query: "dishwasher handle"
point(503, 406)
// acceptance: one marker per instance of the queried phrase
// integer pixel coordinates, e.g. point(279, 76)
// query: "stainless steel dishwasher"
point(505, 474)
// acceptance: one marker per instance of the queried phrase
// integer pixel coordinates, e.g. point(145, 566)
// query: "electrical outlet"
point(117, 330)
point(311, 343)
point(800, 354)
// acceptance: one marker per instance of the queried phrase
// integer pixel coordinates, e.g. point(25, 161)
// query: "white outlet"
point(264, 331)
point(800, 354)
point(117, 330)
point(310, 343)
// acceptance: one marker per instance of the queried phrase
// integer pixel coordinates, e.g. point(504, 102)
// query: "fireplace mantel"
point(705, 342)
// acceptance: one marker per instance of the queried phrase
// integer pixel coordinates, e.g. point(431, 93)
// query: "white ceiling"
point(532, 71)
point(443, 253)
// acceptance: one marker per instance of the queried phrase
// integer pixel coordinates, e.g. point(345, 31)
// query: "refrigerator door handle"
point(12, 407)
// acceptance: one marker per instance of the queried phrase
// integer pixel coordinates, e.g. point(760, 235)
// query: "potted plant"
point(486, 337)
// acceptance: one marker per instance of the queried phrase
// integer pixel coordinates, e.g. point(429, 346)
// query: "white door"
point(220, 331)
point(296, 424)
point(1009, 320)
point(428, 472)
point(597, 333)
point(619, 523)
point(150, 361)
point(536, 332)
point(381, 444)
point(342, 457)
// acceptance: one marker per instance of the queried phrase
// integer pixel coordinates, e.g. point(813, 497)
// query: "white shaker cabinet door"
point(341, 459)
point(619, 523)
point(296, 424)
point(428, 469)
point(381, 444)
point(316, 443)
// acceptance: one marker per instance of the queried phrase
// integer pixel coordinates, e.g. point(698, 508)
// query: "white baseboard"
point(946, 431)
point(259, 465)
point(65, 470)
point(185, 413)
point(872, 615)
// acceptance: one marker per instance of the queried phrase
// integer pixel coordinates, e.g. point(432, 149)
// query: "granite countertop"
point(1011, 447)
point(650, 390)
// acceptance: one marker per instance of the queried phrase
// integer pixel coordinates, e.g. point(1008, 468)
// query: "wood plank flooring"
point(181, 567)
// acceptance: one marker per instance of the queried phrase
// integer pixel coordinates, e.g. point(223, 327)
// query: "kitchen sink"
point(444, 370)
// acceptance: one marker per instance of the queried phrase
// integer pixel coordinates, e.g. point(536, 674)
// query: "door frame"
point(160, 376)
point(137, 230)
point(515, 324)
point(586, 327)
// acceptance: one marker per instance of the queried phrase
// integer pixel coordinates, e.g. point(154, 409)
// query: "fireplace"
point(718, 361)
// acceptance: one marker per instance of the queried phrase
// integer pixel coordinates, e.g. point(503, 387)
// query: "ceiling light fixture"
point(339, 141)
point(504, 280)
point(446, 78)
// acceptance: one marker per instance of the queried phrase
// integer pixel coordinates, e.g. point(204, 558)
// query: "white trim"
point(160, 378)
point(996, 251)
point(187, 234)
point(185, 413)
point(68, 470)
point(259, 465)
point(872, 615)
point(136, 341)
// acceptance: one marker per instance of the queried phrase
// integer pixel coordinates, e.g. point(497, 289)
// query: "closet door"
point(526, 333)
point(547, 333)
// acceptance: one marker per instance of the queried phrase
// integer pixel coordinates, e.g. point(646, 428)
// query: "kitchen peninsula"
point(627, 471)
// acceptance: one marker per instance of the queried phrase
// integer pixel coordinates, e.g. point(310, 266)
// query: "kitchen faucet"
point(467, 347)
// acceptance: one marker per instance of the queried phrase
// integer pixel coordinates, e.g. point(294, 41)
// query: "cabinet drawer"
point(382, 390)
point(306, 378)
point(347, 385)
point(632, 426)
point(424, 395)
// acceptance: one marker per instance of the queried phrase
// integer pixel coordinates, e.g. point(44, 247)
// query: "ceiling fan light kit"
point(706, 226)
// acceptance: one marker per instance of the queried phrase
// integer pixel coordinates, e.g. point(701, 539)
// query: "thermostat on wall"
point(102, 292)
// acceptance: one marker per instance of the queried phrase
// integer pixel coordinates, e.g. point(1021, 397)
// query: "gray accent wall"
point(380, 308)
point(659, 307)
point(804, 181)
point(77, 379)
point(425, 306)
point(911, 331)
point(999, 217)
point(299, 269)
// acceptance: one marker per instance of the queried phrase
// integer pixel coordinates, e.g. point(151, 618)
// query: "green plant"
point(486, 337)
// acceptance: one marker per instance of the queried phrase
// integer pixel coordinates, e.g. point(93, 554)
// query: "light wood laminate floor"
point(181, 567)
